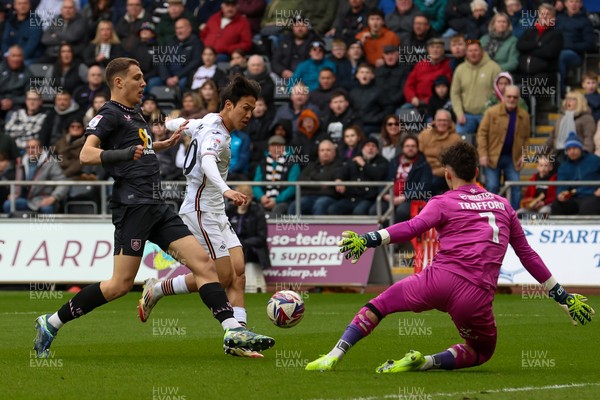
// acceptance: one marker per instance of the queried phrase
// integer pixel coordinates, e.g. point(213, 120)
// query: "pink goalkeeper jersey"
point(475, 228)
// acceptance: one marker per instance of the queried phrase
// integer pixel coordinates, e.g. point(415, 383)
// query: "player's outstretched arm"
point(92, 154)
point(173, 140)
point(354, 245)
point(573, 304)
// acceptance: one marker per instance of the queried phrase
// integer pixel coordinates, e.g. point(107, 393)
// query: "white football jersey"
point(209, 137)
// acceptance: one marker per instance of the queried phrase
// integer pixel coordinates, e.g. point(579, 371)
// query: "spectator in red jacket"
point(227, 30)
point(417, 90)
point(539, 198)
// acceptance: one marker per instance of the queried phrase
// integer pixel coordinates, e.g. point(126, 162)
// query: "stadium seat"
point(165, 96)
point(41, 70)
point(594, 55)
point(81, 207)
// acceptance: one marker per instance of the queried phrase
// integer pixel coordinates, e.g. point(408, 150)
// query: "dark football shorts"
point(136, 223)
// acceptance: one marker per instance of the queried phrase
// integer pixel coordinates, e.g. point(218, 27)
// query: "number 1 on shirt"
point(492, 221)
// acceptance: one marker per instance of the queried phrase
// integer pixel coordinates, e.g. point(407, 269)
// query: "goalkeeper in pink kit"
point(475, 228)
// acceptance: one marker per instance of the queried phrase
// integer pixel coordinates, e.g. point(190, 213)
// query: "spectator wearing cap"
point(176, 67)
point(500, 44)
point(68, 27)
point(165, 29)
point(579, 165)
point(375, 36)
point(440, 98)
point(144, 51)
point(366, 167)
point(315, 200)
point(84, 94)
point(391, 76)
point(23, 28)
point(227, 30)
point(149, 107)
point(368, 100)
point(501, 137)
point(472, 85)
point(400, 19)
point(417, 90)
point(415, 41)
point(308, 70)
point(434, 11)
point(293, 49)
point(276, 166)
point(68, 147)
point(349, 23)
point(128, 26)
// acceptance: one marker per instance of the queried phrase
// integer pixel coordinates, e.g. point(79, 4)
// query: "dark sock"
point(213, 295)
point(443, 360)
point(85, 301)
point(352, 335)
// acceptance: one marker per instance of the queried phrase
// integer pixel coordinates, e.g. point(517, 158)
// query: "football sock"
point(213, 295)
point(239, 313)
point(85, 301)
point(350, 337)
point(443, 360)
point(55, 321)
point(170, 287)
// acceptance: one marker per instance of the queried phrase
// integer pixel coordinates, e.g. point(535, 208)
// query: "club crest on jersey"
point(147, 140)
point(136, 244)
point(94, 122)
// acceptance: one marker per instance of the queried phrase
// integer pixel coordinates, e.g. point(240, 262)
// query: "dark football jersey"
point(119, 127)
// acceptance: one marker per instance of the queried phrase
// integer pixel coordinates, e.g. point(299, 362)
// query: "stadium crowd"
point(352, 90)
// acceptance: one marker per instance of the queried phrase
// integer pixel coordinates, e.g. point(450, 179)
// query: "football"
point(285, 308)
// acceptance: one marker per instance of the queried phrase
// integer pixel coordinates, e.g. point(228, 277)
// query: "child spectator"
point(440, 98)
point(589, 82)
point(539, 198)
point(353, 140)
point(458, 49)
point(503, 80)
point(343, 66)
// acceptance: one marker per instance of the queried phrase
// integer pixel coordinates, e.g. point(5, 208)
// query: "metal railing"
point(166, 185)
point(509, 184)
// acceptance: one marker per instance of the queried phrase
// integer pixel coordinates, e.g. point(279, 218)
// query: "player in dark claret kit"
point(118, 138)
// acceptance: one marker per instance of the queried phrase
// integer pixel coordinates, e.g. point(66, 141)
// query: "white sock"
point(179, 285)
point(55, 321)
point(239, 313)
point(230, 323)
point(340, 349)
point(171, 287)
point(428, 363)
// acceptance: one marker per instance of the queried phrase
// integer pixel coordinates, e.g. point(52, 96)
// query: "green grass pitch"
point(178, 354)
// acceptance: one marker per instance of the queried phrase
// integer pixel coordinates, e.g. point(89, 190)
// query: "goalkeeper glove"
point(354, 245)
point(573, 305)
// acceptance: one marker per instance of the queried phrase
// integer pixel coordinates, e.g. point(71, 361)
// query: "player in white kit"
point(203, 210)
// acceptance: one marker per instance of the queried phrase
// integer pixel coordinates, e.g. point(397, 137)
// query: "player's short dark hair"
point(118, 67)
point(239, 87)
point(462, 158)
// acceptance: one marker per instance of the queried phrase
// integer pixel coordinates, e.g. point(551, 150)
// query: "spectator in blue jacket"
point(23, 28)
point(240, 156)
point(578, 37)
point(578, 166)
point(308, 70)
point(519, 20)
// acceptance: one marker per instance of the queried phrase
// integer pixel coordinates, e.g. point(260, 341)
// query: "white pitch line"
point(482, 391)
